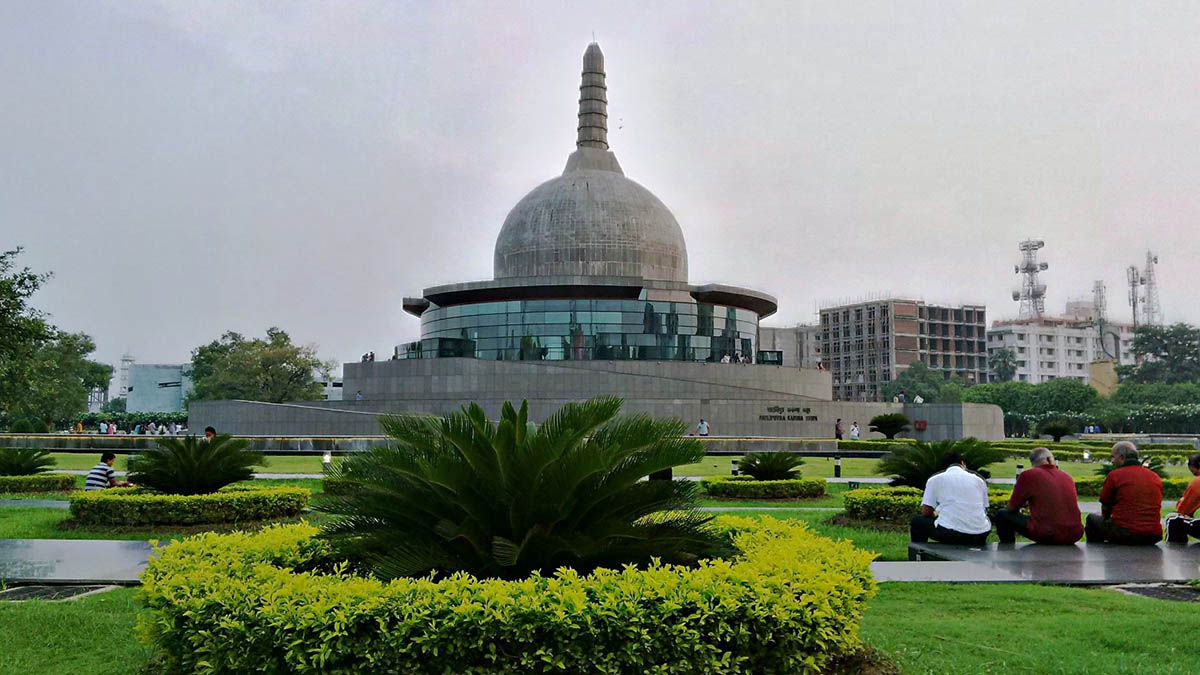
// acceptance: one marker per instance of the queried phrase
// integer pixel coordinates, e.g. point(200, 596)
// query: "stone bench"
point(1078, 564)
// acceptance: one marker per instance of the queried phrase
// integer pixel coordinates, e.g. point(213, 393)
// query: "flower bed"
point(133, 506)
point(746, 487)
point(1090, 487)
point(38, 482)
point(902, 503)
point(791, 602)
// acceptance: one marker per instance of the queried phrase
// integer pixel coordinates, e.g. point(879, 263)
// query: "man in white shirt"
point(954, 508)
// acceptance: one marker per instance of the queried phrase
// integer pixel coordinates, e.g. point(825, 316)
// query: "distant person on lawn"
point(103, 476)
point(1053, 505)
point(209, 433)
point(1183, 523)
point(1130, 502)
point(959, 500)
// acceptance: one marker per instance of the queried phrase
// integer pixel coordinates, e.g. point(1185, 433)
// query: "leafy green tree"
point(1012, 397)
point(912, 464)
point(1003, 364)
point(771, 465)
point(463, 493)
point(1165, 354)
point(271, 369)
point(920, 380)
point(1063, 395)
point(20, 324)
point(1056, 429)
point(115, 405)
point(194, 466)
point(1157, 393)
point(889, 424)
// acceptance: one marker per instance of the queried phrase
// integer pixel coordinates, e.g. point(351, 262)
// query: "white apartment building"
point(1048, 348)
point(798, 346)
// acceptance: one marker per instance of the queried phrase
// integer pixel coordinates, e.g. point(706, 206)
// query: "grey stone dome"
point(591, 222)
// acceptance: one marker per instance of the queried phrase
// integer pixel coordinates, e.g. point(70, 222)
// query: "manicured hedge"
point(40, 482)
point(745, 487)
point(872, 443)
point(1090, 487)
point(134, 506)
point(236, 603)
point(900, 504)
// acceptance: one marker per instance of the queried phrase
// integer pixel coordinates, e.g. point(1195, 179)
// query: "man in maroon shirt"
point(1053, 505)
point(1131, 502)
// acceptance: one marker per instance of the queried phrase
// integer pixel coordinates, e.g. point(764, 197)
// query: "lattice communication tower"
point(1151, 309)
point(1031, 295)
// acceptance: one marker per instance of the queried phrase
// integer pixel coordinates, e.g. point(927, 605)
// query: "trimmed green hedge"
point(745, 487)
point(40, 482)
point(1090, 487)
point(236, 603)
point(902, 503)
point(872, 443)
point(134, 506)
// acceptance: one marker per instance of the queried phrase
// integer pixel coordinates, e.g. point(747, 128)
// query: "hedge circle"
point(746, 487)
point(134, 506)
point(40, 482)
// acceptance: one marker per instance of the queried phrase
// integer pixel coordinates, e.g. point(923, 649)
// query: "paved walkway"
point(264, 476)
point(72, 561)
point(42, 503)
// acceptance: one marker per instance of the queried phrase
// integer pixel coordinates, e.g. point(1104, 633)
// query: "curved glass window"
point(554, 330)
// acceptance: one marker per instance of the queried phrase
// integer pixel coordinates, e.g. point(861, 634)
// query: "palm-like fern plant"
point(24, 461)
point(912, 464)
point(192, 466)
point(461, 493)
point(771, 465)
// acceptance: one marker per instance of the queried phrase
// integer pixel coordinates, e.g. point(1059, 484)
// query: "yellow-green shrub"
point(745, 487)
point(236, 603)
point(902, 503)
point(1091, 485)
point(133, 506)
point(40, 482)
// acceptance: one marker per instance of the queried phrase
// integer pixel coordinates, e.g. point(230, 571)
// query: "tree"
point(1056, 429)
point(116, 405)
point(464, 493)
point(1165, 354)
point(1003, 363)
point(271, 369)
point(1157, 393)
point(912, 464)
point(890, 424)
point(1012, 397)
point(20, 324)
point(920, 380)
point(1063, 395)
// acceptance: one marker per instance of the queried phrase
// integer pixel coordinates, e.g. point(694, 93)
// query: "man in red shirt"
point(1183, 523)
point(1130, 501)
point(1054, 516)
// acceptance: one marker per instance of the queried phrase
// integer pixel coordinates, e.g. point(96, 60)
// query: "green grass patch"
point(20, 522)
point(275, 463)
point(1028, 628)
point(89, 635)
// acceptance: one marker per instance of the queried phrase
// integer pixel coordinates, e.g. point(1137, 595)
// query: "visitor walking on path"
point(1183, 523)
point(854, 432)
point(954, 507)
point(1054, 516)
point(702, 428)
point(837, 429)
point(1130, 502)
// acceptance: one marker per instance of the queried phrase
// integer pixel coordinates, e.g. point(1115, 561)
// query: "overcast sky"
point(188, 168)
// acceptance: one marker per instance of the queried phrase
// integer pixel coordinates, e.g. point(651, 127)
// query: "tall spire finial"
point(593, 101)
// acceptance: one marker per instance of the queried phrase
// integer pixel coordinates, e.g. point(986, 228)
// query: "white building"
point(799, 346)
point(1052, 347)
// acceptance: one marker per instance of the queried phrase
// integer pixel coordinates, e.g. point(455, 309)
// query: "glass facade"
point(556, 330)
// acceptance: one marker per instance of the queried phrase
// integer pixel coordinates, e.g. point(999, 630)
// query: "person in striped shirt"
point(103, 476)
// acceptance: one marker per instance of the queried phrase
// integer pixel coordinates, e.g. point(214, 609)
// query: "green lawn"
point(1026, 628)
point(88, 635)
point(275, 464)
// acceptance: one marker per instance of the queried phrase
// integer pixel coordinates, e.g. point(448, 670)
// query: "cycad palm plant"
point(461, 493)
point(911, 464)
point(24, 461)
point(193, 466)
point(771, 465)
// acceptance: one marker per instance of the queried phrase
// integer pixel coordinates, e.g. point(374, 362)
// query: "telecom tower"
point(126, 364)
point(1100, 300)
point(1032, 294)
point(1151, 310)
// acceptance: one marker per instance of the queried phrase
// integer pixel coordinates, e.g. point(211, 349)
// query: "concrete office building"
point(796, 346)
point(865, 345)
point(158, 387)
point(590, 295)
point(1048, 348)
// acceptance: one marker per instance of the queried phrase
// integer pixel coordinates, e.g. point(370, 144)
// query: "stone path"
point(72, 561)
point(265, 476)
point(43, 503)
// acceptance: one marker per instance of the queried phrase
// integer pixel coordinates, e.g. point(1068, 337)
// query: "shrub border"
point(134, 506)
point(38, 482)
point(746, 487)
point(229, 603)
point(1090, 486)
point(902, 503)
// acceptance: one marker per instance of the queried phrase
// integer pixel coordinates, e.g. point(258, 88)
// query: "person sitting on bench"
point(1130, 502)
point(1183, 523)
point(960, 500)
point(1053, 505)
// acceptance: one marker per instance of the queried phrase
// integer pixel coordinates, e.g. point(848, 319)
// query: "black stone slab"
point(1079, 564)
point(72, 561)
